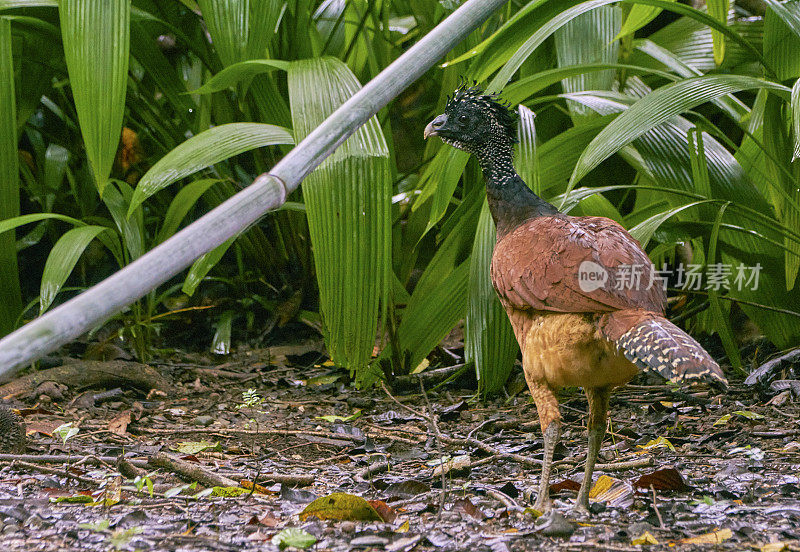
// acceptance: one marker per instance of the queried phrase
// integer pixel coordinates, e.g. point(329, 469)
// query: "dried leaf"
point(661, 442)
point(465, 505)
point(245, 484)
point(119, 425)
point(565, 485)
point(614, 492)
point(387, 513)
point(459, 463)
point(645, 538)
point(342, 506)
point(667, 479)
point(194, 447)
point(111, 494)
point(779, 546)
point(335, 418)
point(406, 489)
point(294, 537)
point(723, 420)
point(714, 537)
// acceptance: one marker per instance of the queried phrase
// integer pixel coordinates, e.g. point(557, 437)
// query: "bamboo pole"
point(269, 191)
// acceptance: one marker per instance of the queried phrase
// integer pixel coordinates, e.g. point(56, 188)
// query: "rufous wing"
point(540, 266)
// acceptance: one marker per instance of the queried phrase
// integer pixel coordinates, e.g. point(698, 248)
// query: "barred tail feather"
point(657, 345)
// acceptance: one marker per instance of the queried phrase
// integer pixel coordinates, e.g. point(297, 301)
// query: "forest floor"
point(682, 468)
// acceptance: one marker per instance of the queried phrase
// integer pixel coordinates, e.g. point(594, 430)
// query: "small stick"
point(655, 507)
point(439, 447)
point(373, 469)
point(289, 479)
point(54, 471)
point(403, 406)
point(507, 501)
point(625, 465)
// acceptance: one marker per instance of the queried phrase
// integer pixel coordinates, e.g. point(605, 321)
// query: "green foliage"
point(682, 124)
point(96, 44)
point(10, 294)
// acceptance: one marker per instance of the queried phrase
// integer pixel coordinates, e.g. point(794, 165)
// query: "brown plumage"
point(580, 314)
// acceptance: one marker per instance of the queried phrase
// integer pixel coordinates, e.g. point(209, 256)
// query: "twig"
point(507, 501)
point(775, 434)
point(403, 406)
point(655, 507)
point(474, 431)
point(225, 432)
point(626, 465)
point(439, 447)
point(413, 500)
point(54, 471)
point(373, 469)
point(288, 479)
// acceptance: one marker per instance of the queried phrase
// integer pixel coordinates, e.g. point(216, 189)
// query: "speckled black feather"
point(657, 345)
point(500, 110)
point(483, 125)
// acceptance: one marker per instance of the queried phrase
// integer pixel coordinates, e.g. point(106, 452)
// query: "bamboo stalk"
point(268, 191)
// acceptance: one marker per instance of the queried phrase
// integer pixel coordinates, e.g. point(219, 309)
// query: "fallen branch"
point(190, 471)
point(89, 373)
point(61, 459)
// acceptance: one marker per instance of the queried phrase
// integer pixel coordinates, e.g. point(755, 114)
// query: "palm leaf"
point(638, 17)
point(788, 12)
point(428, 319)
point(659, 107)
point(489, 340)
point(205, 149)
point(181, 204)
point(62, 259)
point(241, 71)
point(718, 9)
point(202, 266)
point(589, 38)
point(796, 119)
point(240, 29)
point(95, 34)
point(10, 294)
point(348, 200)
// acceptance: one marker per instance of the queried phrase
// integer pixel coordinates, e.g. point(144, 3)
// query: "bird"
point(565, 283)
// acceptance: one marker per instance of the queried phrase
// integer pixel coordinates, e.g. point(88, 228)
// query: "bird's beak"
point(434, 126)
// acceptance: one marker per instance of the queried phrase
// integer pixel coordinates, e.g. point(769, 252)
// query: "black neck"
point(511, 202)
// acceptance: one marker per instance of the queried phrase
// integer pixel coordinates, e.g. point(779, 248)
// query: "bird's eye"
point(463, 118)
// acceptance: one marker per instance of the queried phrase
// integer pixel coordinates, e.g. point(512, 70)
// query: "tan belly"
point(565, 350)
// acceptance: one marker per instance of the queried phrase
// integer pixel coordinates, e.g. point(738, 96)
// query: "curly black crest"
point(500, 110)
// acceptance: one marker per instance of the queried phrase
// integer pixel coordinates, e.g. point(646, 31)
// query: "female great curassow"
point(561, 281)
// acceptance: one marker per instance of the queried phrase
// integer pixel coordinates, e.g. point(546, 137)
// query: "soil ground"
point(703, 466)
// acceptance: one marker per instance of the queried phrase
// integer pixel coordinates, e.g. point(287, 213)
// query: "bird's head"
point(473, 120)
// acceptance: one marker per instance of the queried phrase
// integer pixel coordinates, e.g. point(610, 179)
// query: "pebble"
point(203, 421)
point(368, 541)
point(347, 527)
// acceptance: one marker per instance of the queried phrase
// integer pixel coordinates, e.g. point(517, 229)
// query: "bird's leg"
point(598, 410)
point(550, 421)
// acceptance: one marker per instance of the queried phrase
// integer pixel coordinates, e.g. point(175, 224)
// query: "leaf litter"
point(326, 466)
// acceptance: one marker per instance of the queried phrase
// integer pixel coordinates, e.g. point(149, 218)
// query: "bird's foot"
point(581, 511)
point(543, 505)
